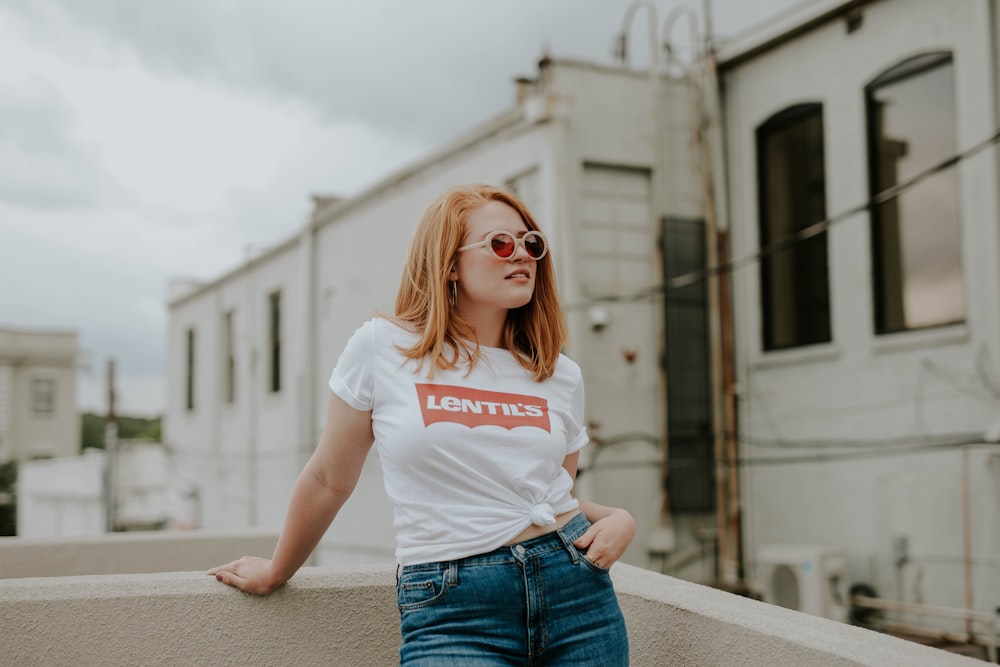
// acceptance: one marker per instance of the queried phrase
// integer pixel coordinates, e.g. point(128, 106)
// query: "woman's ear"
point(453, 273)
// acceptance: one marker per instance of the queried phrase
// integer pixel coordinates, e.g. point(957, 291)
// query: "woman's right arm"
point(322, 488)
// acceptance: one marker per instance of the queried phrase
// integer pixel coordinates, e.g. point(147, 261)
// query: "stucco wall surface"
point(188, 618)
point(129, 553)
point(347, 616)
point(674, 622)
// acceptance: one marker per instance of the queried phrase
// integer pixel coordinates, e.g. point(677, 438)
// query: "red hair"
point(535, 332)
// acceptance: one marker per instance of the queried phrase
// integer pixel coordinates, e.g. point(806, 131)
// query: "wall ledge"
point(347, 615)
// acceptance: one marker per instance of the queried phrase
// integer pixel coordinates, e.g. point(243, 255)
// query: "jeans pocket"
point(590, 564)
point(421, 588)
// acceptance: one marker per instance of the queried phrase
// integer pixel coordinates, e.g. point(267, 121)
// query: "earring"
point(453, 297)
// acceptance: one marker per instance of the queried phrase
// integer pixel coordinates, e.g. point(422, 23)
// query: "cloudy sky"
point(142, 141)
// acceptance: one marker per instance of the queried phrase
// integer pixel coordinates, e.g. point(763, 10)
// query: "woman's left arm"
point(611, 530)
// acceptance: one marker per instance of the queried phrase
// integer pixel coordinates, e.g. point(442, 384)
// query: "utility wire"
point(682, 463)
point(870, 444)
point(694, 277)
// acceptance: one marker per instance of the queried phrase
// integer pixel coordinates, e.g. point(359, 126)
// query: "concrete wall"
point(243, 456)
point(129, 553)
point(909, 388)
point(347, 616)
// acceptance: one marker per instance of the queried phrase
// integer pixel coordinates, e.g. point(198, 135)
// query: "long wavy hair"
point(535, 332)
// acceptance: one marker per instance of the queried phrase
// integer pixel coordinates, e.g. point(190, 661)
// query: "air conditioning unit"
point(806, 578)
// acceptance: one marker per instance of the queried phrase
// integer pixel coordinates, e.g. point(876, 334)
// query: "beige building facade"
point(863, 179)
point(38, 412)
point(251, 352)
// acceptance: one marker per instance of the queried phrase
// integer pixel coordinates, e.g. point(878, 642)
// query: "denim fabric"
point(538, 602)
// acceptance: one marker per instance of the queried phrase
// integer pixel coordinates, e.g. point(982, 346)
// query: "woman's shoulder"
point(382, 324)
point(387, 332)
point(567, 369)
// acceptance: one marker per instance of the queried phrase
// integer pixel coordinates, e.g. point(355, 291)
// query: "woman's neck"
point(488, 326)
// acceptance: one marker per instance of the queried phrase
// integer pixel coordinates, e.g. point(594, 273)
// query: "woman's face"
point(487, 282)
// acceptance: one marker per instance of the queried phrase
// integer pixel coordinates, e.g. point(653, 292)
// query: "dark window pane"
point(43, 396)
point(690, 436)
point(229, 356)
point(795, 293)
point(189, 384)
point(916, 238)
point(275, 336)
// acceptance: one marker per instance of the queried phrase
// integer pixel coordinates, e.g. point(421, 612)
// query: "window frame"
point(49, 409)
point(909, 68)
point(786, 118)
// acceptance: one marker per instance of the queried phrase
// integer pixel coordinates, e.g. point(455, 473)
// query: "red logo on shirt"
point(475, 407)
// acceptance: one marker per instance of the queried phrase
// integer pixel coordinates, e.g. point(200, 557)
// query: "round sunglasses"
point(503, 245)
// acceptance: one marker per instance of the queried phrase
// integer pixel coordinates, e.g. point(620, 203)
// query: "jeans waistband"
point(561, 538)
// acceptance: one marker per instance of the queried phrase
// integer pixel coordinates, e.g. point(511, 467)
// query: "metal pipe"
point(990, 638)
point(977, 559)
point(251, 390)
point(922, 609)
point(668, 27)
point(627, 22)
point(111, 495)
point(657, 206)
point(967, 536)
point(727, 562)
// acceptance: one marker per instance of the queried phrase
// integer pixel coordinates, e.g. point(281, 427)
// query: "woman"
point(478, 420)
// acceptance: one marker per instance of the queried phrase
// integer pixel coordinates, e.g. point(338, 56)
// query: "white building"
point(68, 496)
point(868, 354)
point(38, 413)
point(865, 359)
point(251, 352)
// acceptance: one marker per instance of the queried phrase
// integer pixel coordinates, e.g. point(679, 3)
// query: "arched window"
point(794, 278)
point(916, 237)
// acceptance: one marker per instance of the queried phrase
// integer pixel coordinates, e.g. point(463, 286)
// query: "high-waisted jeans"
point(537, 602)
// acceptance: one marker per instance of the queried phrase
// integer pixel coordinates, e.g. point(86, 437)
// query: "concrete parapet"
point(347, 616)
point(129, 553)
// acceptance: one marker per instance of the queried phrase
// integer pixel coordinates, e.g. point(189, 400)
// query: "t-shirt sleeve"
point(577, 431)
point(353, 377)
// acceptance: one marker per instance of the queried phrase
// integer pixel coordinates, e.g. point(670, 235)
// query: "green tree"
point(129, 428)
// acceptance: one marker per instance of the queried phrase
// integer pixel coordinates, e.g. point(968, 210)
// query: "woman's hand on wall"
point(250, 574)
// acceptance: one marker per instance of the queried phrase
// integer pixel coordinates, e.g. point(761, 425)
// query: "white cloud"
point(144, 141)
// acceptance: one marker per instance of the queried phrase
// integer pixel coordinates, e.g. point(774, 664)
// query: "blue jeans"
point(538, 602)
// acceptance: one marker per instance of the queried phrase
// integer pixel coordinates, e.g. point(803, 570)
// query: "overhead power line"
point(686, 462)
point(694, 277)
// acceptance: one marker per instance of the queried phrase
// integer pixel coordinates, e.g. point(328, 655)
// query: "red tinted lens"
point(534, 244)
point(503, 245)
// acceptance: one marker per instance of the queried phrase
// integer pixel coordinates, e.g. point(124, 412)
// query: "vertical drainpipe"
point(309, 435)
point(723, 566)
point(564, 187)
point(967, 543)
point(994, 36)
point(656, 205)
point(251, 391)
point(215, 427)
point(111, 488)
point(720, 323)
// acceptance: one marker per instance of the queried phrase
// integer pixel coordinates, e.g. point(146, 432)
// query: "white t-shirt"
point(469, 459)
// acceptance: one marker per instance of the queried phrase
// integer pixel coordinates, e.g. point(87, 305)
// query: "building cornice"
point(777, 30)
